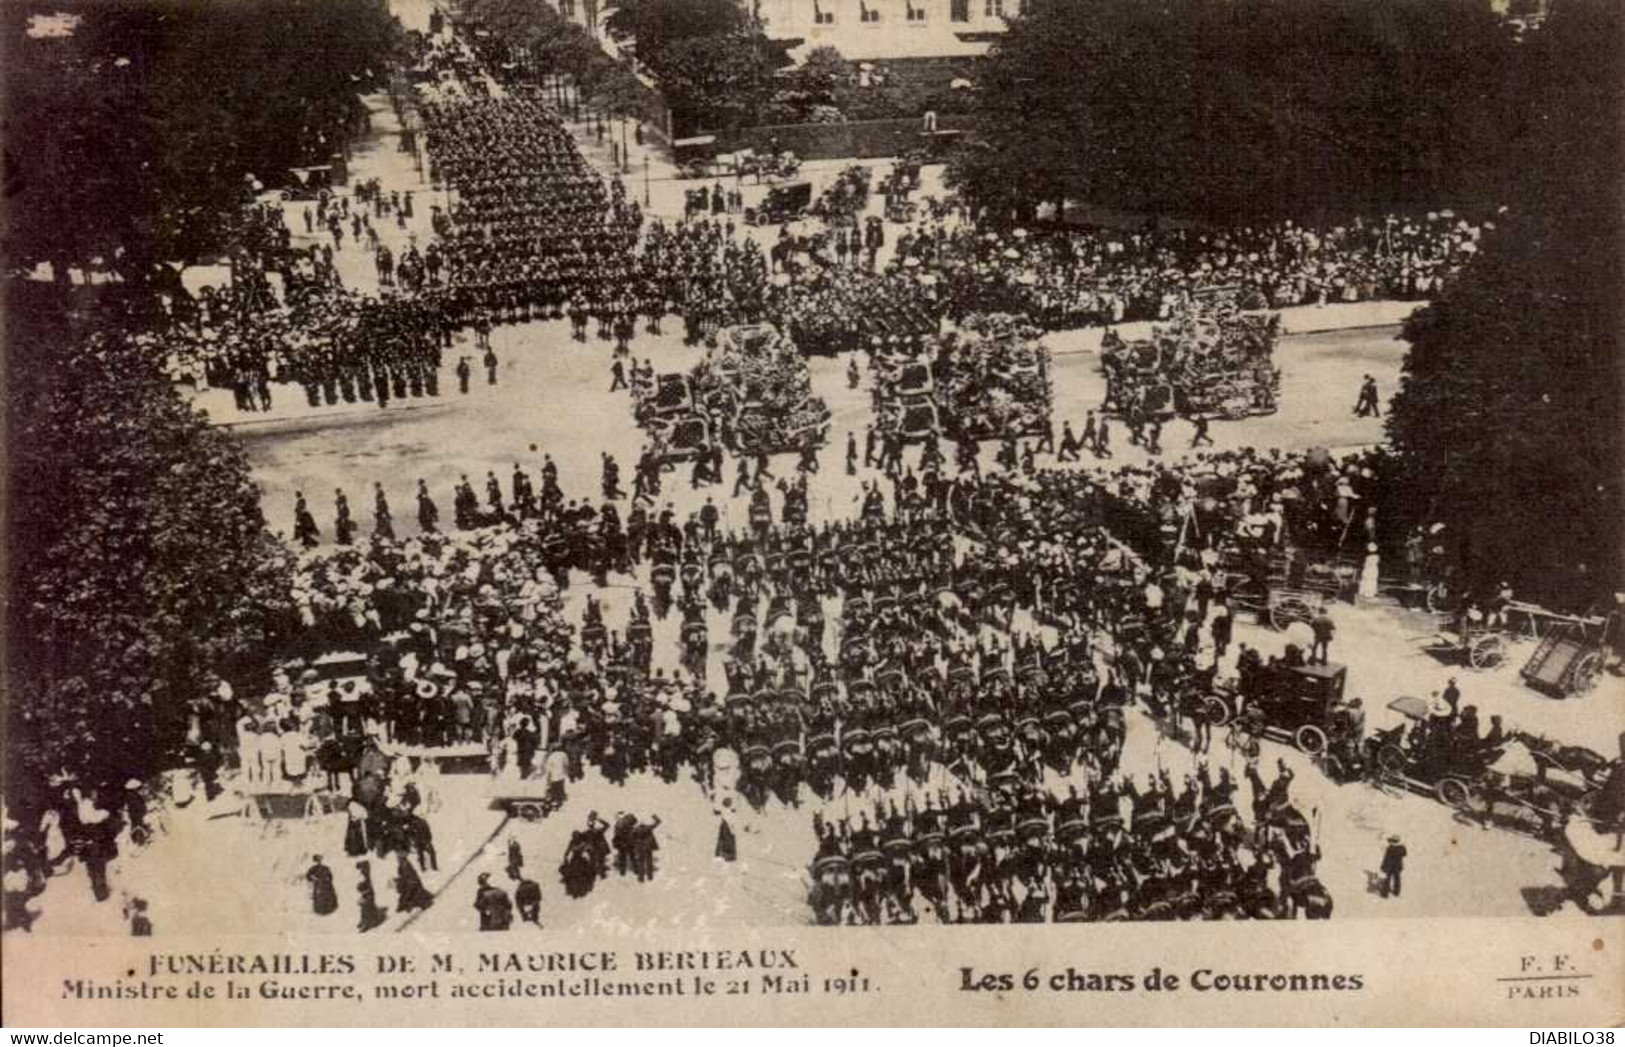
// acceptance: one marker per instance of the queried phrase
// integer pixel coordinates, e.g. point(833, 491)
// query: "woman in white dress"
point(1368, 573)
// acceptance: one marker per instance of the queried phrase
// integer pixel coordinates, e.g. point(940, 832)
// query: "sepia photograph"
point(559, 478)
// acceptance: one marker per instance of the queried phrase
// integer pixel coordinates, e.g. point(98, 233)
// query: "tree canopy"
point(146, 122)
point(656, 24)
point(1508, 420)
point(719, 81)
point(140, 562)
point(1238, 108)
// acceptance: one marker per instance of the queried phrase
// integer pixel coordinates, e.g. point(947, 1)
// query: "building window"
point(995, 8)
point(867, 13)
point(959, 10)
point(821, 16)
point(915, 14)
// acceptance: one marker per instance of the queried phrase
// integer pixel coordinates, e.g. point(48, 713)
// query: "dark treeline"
point(1508, 423)
point(1230, 109)
point(134, 132)
point(139, 560)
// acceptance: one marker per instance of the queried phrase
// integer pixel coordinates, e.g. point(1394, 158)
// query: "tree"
point(619, 93)
point(1507, 422)
point(656, 24)
point(822, 71)
point(140, 566)
point(718, 81)
point(130, 164)
point(1242, 108)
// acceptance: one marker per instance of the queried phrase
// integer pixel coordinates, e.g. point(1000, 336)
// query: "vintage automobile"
point(1288, 701)
point(782, 204)
point(1428, 761)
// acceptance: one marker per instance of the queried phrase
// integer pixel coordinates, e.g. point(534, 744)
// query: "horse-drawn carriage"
point(1534, 785)
point(1470, 642)
point(1570, 658)
point(1210, 358)
point(684, 438)
point(671, 396)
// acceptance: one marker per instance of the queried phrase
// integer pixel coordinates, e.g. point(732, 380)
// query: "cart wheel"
point(1585, 672)
point(529, 812)
point(1310, 739)
point(1391, 759)
point(1217, 710)
point(1486, 652)
point(1439, 598)
point(1453, 792)
point(1289, 610)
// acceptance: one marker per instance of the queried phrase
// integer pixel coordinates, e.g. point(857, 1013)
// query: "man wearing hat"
point(1323, 627)
point(1393, 865)
point(493, 905)
point(1452, 695)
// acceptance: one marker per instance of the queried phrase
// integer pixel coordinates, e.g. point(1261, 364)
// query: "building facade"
point(864, 30)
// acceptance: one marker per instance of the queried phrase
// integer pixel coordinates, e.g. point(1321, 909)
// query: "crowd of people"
point(941, 686)
point(533, 229)
point(534, 233)
point(304, 327)
point(945, 269)
point(882, 658)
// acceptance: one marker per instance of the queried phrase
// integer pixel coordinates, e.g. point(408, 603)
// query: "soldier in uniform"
point(305, 530)
point(383, 523)
point(428, 513)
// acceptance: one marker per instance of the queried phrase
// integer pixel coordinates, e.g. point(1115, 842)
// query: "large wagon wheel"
point(1486, 651)
point(1216, 709)
point(1289, 609)
point(1439, 599)
point(1311, 739)
point(1583, 676)
point(1454, 792)
point(1391, 758)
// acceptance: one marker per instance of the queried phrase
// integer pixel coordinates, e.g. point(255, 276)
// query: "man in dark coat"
point(1323, 628)
point(372, 914)
point(383, 521)
point(493, 905)
point(527, 895)
point(410, 893)
point(1393, 865)
point(428, 512)
point(644, 846)
point(305, 530)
